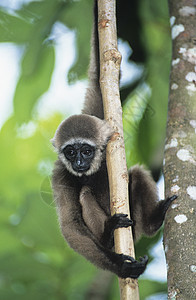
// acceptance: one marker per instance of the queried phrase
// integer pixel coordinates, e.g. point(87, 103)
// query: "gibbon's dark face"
point(80, 156)
point(80, 142)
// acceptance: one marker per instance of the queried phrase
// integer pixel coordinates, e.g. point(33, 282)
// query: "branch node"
point(112, 55)
point(103, 23)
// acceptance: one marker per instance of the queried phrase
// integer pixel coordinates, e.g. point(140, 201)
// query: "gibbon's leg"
point(146, 211)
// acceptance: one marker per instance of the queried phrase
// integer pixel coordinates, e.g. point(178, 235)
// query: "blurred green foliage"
point(35, 262)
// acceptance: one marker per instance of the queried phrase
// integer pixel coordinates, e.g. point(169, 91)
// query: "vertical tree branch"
point(180, 154)
point(110, 60)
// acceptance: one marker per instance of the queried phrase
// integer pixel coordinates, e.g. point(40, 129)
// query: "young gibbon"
point(81, 189)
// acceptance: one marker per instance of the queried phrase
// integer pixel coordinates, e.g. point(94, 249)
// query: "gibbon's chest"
point(99, 187)
point(103, 198)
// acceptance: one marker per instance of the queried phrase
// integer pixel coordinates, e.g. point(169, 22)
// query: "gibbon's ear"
point(53, 142)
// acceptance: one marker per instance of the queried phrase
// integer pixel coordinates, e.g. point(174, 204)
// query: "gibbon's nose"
point(79, 161)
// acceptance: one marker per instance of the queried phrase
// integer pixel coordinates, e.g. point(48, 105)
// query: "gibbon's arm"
point(93, 215)
point(101, 225)
point(93, 104)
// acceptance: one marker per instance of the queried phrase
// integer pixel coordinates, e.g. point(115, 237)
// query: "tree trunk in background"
point(180, 154)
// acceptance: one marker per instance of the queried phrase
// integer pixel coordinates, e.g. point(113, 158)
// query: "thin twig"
point(110, 60)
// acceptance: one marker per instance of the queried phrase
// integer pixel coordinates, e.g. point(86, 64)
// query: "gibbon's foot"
point(133, 268)
point(158, 215)
point(114, 222)
point(167, 202)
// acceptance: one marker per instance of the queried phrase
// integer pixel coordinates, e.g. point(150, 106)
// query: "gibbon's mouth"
point(81, 170)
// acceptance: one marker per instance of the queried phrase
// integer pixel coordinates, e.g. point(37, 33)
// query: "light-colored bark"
point(110, 60)
point(180, 154)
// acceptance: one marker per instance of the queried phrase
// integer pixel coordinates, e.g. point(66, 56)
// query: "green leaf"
point(156, 33)
point(46, 192)
point(31, 87)
point(133, 112)
point(83, 25)
point(149, 287)
point(13, 28)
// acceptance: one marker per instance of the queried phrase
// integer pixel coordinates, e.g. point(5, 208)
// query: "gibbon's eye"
point(69, 152)
point(87, 151)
